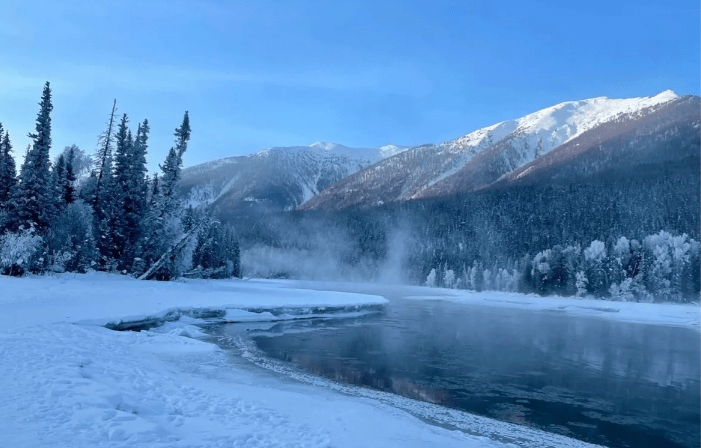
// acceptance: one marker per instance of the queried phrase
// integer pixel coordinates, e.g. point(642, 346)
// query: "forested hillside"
point(628, 232)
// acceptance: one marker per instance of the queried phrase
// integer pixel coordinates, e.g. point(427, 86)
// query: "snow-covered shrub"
point(18, 251)
point(487, 280)
point(659, 264)
point(596, 251)
point(431, 279)
point(506, 281)
point(619, 260)
point(476, 276)
point(449, 278)
point(670, 266)
point(581, 283)
point(541, 270)
point(594, 262)
point(71, 242)
point(623, 292)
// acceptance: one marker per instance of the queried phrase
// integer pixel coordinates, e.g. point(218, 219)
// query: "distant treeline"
point(105, 213)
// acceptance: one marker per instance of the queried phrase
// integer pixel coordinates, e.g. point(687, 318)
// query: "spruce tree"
point(33, 195)
point(120, 195)
point(129, 192)
point(136, 188)
point(68, 191)
point(138, 180)
point(8, 174)
point(59, 180)
point(101, 201)
point(173, 165)
point(103, 163)
point(164, 239)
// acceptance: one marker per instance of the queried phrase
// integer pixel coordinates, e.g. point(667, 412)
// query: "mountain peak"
point(668, 94)
point(325, 145)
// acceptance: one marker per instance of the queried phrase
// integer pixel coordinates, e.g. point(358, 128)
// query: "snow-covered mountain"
point(277, 178)
point(659, 142)
point(480, 158)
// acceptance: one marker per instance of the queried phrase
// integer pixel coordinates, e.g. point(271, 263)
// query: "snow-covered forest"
point(623, 236)
point(104, 212)
point(655, 267)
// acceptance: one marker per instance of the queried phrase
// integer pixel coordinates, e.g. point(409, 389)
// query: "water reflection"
point(612, 383)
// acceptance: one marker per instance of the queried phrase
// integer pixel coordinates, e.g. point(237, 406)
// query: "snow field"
point(67, 381)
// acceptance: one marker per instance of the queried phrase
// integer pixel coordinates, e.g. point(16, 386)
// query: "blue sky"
point(256, 74)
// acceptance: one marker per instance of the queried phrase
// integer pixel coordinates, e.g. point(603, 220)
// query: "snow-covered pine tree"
point(165, 242)
point(594, 262)
point(68, 188)
point(71, 240)
point(32, 200)
point(8, 173)
point(135, 188)
point(8, 180)
point(101, 202)
point(129, 193)
point(173, 165)
point(139, 166)
point(121, 197)
point(58, 175)
point(216, 253)
point(103, 163)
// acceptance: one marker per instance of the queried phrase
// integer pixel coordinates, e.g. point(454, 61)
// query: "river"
point(601, 381)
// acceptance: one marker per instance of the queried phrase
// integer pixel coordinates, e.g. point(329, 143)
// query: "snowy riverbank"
point(68, 381)
point(674, 314)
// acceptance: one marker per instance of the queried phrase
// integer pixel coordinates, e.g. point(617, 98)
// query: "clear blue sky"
point(255, 74)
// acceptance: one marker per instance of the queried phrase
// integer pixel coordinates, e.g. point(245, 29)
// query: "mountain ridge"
point(481, 157)
point(278, 178)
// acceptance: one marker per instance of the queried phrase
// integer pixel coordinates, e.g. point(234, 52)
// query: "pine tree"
point(139, 166)
point(68, 190)
point(165, 242)
point(101, 201)
point(173, 164)
point(103, 163)
point(130, 191)
point(8, 174)
point(121, 196)
point(59, 181)
point(33, 195)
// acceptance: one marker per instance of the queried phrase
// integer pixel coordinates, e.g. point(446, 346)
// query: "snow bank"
point(101, 299)
point(674, 314)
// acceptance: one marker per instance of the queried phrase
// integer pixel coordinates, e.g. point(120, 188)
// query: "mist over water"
point(331, 257)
